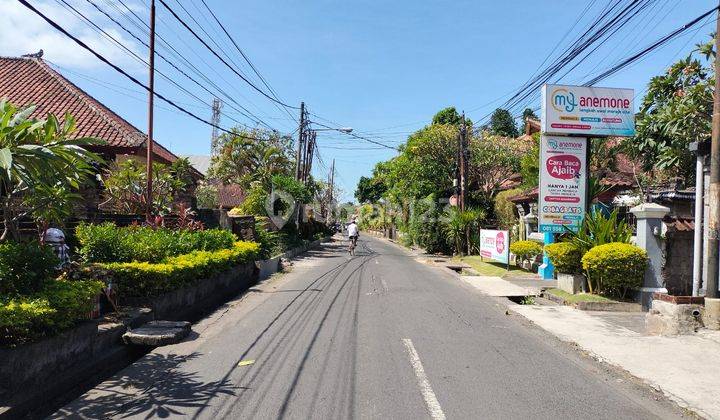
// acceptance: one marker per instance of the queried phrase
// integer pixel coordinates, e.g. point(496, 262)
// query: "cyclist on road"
point(353, 233)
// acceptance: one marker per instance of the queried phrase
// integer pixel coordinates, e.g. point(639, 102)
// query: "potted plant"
point(567, 257)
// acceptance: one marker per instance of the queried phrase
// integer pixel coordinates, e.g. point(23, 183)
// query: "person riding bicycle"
point(353, 232)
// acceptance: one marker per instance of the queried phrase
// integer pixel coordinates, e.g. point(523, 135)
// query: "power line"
point(119, 70)
point(651, 47)
point(202, 41)
point(242, 111)
point(358, 137)
point(242, 53)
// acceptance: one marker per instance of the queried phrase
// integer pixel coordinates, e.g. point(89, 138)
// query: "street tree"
point(449, 116)
point(676, 110)
point(249, 156)
point(39, 164)
point(502, 123)
point(126, 186)
point(370, 190)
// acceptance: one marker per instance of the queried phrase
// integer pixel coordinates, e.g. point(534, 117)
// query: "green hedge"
point(615, 267)
point(145, 279)
point(25, 268)
point(108, 243)
point(565, 256)
point(526, 250)
point(60, 305)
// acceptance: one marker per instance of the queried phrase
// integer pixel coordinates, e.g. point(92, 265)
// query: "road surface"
point(378, 335)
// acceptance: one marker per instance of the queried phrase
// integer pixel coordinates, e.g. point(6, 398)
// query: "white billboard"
point(563, 178)
point(587, 111)
point(495, 244)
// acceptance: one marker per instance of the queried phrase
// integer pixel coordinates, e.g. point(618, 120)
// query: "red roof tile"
point(230, 195)
point(30, 81)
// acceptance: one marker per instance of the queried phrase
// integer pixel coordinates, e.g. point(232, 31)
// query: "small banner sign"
point(495, 244)
point(563, 177)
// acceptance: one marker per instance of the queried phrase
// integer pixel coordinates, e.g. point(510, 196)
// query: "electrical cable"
point(202, 41)
point(55, 25)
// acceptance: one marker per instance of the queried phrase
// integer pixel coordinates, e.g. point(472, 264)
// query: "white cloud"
point(24, 32)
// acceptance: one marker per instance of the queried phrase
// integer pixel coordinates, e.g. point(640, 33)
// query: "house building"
point(31, 81)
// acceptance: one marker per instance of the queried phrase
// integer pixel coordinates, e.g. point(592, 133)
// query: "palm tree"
point(458, 225)
point(255, 156)
point(37, 156)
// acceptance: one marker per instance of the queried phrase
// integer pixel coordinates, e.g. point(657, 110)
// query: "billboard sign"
point(563, 178)
point(587, 111)
point(495, 244)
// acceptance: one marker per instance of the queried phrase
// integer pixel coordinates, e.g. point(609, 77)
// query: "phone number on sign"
point(562, 209)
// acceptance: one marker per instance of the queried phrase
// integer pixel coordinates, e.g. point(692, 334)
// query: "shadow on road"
point(152, 387)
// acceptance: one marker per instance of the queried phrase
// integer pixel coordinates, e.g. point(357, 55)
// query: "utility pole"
point(216, 107)
point(332, 179)
point(301, 137)
point(151, 97)
point(309, 150)
point(463, 162)
point(711, 317)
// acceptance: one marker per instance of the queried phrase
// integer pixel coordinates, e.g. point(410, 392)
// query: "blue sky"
point(381, 67)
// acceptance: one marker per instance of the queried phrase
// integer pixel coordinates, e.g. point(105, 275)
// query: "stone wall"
point(40, 372)
point(677, 270)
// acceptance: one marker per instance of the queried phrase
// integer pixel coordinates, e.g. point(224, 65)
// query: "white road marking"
point(431, 401)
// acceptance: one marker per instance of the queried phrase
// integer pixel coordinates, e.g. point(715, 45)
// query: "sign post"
point(570, 115)
point(563, 183)
point(495, 244)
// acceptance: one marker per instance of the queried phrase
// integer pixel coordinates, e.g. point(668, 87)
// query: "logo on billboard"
point(563, 100)
point(563, 166)
point(500, 243)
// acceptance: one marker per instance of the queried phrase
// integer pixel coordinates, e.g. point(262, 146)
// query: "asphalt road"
point(378, 335)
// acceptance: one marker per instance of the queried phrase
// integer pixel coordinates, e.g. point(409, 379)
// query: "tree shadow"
point(154, 386)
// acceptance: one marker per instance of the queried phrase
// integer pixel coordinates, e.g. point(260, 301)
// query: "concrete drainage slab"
point(157, 333)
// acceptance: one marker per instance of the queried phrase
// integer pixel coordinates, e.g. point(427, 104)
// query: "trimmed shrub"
point(59, 306)
point(565, 256)
point(108, 243)
point(145, 279)
point(526, 250)
point(615, 267)
point(25, 267)
point(103, 242)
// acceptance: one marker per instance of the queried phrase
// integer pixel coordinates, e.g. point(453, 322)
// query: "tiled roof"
point(230, 195)
point(30, 81)
point(680, 224)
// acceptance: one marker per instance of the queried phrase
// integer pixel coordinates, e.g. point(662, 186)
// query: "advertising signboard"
point(563, 177)
point(495, 244)
point(587, 111)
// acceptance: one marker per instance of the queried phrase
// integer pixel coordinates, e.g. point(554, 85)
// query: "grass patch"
point(490, 268)
point(580, 297)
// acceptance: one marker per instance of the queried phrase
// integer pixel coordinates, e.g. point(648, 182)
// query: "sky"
point(383, 68)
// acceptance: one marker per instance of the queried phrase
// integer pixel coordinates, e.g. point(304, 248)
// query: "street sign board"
point(563, 177)
point(587, 111)
point(495, 244)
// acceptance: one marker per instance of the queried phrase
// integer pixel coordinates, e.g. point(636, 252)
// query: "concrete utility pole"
point(714, 187)
point(151, 97)
point(463, 162)
point(301, 137)
point(216, 107)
